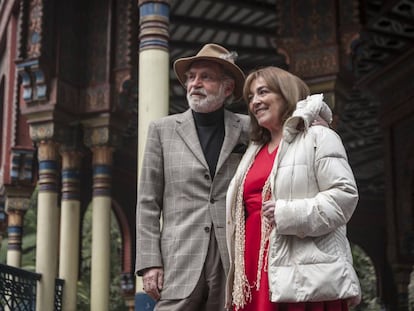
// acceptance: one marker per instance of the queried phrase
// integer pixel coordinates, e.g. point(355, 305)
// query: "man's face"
point(206, 87)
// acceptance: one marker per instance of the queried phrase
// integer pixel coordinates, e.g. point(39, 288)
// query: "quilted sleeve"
point(336, 200)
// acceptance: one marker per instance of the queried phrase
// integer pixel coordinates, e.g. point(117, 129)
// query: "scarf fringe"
point(242, 290)
point(265, 231)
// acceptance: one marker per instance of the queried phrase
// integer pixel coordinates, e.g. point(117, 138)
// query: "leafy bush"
point(366, 273)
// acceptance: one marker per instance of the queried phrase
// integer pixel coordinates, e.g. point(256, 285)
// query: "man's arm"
point(149, 204)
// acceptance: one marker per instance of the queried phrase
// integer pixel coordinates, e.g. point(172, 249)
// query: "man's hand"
point(153, 280)
point(320, 121)
point(312, 108)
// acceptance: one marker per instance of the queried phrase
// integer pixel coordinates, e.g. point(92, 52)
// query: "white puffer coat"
point(316, 194)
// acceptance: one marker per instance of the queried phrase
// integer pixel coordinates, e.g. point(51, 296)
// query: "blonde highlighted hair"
point(282, 82)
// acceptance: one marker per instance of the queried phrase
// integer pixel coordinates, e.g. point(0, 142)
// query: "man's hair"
point(228, 79)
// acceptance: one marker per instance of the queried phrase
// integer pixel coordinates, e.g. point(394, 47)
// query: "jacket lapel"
point(233, 128)
point(187, 131)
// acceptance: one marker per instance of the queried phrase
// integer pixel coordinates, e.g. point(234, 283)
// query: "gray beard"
point(204, 106)
point(208, 104)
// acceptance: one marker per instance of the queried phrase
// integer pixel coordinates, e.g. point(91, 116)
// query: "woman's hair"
point(290, 87)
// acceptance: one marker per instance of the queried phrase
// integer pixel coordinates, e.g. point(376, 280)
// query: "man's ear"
point(229, 88)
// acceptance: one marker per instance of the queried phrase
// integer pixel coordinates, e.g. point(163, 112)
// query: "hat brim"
point(182, 65)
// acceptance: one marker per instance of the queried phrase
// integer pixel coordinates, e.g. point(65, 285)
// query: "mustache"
point(200, 91)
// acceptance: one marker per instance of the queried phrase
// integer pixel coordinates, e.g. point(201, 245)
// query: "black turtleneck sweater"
point(210, 130)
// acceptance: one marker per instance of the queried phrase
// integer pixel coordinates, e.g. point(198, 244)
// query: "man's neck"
point(208, 118)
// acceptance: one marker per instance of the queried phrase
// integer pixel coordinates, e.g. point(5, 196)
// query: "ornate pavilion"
point(81, 79)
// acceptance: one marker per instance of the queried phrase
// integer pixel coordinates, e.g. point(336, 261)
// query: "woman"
point(291, 198)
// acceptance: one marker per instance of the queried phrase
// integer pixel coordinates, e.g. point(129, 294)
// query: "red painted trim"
point(127, 266)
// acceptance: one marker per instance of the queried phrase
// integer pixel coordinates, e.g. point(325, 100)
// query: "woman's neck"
point(275, 139)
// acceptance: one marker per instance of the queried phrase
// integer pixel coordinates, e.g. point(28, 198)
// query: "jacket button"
point(207, 229)
point(212, 201)
point(207, 176)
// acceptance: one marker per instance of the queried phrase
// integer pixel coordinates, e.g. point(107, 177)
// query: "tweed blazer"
point(175, 185)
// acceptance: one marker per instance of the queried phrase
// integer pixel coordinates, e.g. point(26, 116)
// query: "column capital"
point(47, 150)
point(47, 130)
point(105, 130)
point(154, 22)
point(48, 156)
point(101, 136)
point(17, 198)
point(17, 205)
point(102, 155)
point(71, 159)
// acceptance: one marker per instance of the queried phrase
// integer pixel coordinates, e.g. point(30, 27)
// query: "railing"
point(59, 294)
point(18, 289)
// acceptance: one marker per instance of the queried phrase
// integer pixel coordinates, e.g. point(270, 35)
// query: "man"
point(188, 162)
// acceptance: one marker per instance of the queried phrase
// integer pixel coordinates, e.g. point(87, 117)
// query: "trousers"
point(209, 293)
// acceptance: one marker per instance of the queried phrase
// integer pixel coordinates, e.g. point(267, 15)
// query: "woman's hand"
point(268, 211)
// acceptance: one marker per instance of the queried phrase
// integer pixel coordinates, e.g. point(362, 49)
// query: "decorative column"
point(70, 226)
point(37, 67)
point(16, 207)
point(101, 227)
point(153, 90)
point(154, 65)
point(17, 193)
point(3, 224)
point(47, 225)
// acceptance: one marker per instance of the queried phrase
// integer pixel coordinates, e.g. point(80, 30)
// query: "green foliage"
point(3, 251)
point(367, 277)
point(116, 301)
point(29, 235)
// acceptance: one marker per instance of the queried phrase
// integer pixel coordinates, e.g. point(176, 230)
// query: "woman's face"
point(266, 106)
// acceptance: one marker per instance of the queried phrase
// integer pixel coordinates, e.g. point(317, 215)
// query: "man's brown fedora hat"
point(218, 54)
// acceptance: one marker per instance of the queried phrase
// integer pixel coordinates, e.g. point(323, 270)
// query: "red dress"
point(252, 196)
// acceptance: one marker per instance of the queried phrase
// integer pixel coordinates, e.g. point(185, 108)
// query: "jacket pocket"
point(291, 250)
point(307, 252)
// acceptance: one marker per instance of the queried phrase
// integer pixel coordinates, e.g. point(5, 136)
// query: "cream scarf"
point(241, 286)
